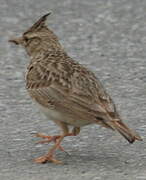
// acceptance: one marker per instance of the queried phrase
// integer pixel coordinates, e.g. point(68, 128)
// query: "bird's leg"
point(57, 139)
point(54, 138)
point(48, 138)
point(75, 132)
point(50, 155)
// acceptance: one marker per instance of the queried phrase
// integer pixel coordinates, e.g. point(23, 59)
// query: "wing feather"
point(77, 88)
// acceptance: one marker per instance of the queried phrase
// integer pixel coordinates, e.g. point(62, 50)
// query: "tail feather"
point(127, 133)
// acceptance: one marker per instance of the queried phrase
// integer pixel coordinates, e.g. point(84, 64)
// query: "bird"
point(68, 93)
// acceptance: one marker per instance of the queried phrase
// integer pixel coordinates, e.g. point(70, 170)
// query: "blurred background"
point(107, 36)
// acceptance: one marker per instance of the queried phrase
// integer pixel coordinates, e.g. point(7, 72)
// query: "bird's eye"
point(26, 39)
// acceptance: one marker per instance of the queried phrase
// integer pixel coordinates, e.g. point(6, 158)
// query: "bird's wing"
point(72, 86)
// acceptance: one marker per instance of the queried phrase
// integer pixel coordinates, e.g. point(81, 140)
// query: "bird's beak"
point(16, 41)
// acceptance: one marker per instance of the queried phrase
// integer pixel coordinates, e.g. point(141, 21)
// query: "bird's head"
point(38, 37)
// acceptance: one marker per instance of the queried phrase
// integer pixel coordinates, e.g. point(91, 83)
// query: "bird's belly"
point(67, 117)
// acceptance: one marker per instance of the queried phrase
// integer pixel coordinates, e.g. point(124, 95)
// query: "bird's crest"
point(39, 24)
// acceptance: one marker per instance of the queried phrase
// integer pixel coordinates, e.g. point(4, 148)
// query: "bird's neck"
point(43, 49)
point(43, 52)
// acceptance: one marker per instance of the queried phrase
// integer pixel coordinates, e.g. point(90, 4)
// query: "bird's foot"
point(47, 158)
point(49, 139)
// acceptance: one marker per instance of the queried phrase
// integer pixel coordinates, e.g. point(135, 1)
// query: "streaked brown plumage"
point(67, 92)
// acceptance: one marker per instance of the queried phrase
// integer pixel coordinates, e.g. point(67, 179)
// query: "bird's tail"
point(127, 133)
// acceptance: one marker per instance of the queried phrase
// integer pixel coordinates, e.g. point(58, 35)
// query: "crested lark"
point(67, 92)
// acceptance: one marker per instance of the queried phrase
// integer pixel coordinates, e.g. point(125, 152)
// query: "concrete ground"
point(108, 36)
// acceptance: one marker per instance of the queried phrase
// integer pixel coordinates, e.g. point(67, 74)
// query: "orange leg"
point(50, 155)
point(58, 139)
point(49, 139)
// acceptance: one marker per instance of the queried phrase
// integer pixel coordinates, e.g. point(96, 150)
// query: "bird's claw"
point(49, 139)
point(47, 158)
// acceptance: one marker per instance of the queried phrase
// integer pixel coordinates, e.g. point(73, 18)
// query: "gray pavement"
point(108, 36)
